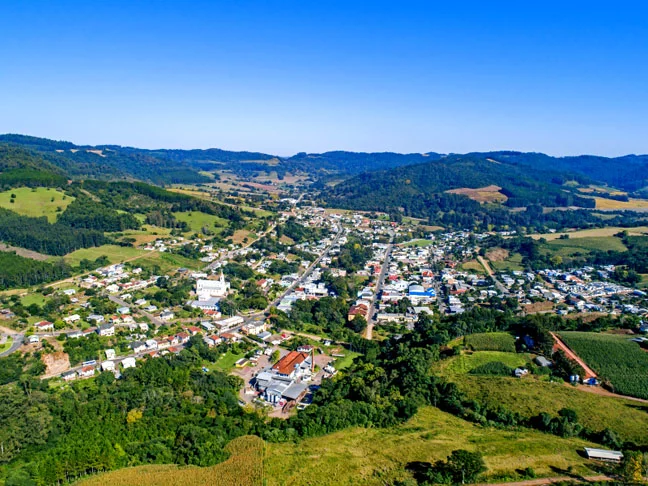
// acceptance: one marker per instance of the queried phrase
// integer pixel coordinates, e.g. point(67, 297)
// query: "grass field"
point(227, 361)
point(466, 362)
point(530, 397)
point(602, 243)
point(596, 232)
point(35, 203)
point(147, 234)
point(604, 203)
point(197, 220)
point(418, 243)
point(614, 358)
point(114, 253)
point(342, 363)
point(243, 468)
point(510, 264)
point(473, 266)
point(491, 341)
point(32, 298)
point(380, 456)
point(167, 262)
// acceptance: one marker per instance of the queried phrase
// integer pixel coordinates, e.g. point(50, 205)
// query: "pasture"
point(114, 253)
point(531, 396)
point(380, 456)
point(595, 232)
point(615, 358)
point(466, 362)
point(36, 202)
point(197, 221)
point(601, 243)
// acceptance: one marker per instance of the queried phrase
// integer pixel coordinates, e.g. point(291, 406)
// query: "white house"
point(128, 362)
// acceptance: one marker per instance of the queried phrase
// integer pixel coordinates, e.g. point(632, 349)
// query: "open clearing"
point(604, 203)
point(419, 243)
point(197, 221)
point(595, 232)
point(35, 202)
point(114, 253)
point(530, 396)
point(243, 468)
point(488, 194)
point(602, 243)
point(380, 456)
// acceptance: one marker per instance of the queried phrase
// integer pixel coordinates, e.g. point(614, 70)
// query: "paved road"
point(490, 272)
point(379, 285)
point(15, 345)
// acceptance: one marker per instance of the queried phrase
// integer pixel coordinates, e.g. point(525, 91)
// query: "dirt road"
point(542, 481)
point(589, 373)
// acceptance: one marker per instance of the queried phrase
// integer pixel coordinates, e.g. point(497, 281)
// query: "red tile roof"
point(287, 364)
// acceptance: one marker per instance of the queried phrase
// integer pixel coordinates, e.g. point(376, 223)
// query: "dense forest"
point(18, 271)
point(39, 235)
point(84, 212)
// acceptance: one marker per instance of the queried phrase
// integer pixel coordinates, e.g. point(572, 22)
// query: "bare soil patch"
point(497, 255)
point(488, 194)
point(56, 363)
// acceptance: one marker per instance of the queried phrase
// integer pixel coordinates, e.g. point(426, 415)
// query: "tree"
point(632, 467)
point(464, 466)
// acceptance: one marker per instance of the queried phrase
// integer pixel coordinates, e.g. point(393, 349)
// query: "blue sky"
point(284, 77)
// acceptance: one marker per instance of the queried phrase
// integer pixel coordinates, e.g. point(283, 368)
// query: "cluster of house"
point(112, 280)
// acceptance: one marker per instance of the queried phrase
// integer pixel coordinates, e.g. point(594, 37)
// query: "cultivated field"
point(243, 468)
point(491, 341)
point(35, 202)
point(604, 203)
point(488, 194)
point(615, 358)
point(380, 456)
point(595, 232)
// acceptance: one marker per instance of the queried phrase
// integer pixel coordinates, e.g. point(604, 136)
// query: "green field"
point(380, 456)
point(473, 266)
point(342, 363)
point(491, 341)
point(615, 358)
point(419, 243)
point(226, 362)
point(512, 263)
point(35, 202)
point(602, 243)
point(466, 362)
point(197, 220)
point(32, 298)
point(530, 396)
point(167, 262)
point(114, 253)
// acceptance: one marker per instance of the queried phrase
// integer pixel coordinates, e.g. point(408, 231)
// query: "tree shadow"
point(418, 470)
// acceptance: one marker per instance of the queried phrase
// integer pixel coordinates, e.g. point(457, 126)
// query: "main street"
point(378, 289)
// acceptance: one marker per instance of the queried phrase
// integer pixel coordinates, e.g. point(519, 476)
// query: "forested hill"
point(406, 187)
point(629, 172)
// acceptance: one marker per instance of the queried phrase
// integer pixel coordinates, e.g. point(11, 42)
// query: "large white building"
point(206, 289)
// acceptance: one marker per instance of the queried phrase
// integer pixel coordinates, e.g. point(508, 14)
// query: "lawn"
point(36, 202)
point(114, 253)
point(226, 362)
point(419, 243)
point(243, 468)
point(7, 344)
point(342, 363)
point(615, 358)
point(33, 298)
point(530, 396)
point(380, 456)
point(197, 220)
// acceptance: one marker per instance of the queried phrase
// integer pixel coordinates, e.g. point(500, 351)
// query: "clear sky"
point(282, 77)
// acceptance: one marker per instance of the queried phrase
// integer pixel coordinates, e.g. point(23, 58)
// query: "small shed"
point(542, 361)
point(603, 455)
